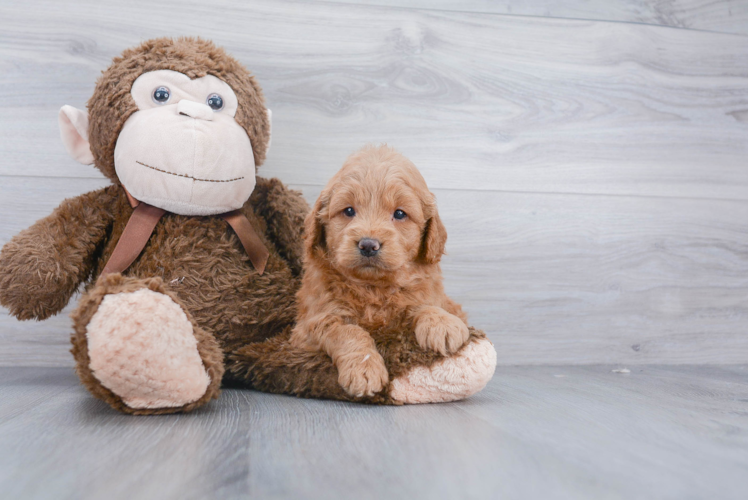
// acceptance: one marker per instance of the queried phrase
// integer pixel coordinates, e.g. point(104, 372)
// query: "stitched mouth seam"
point(187, 176)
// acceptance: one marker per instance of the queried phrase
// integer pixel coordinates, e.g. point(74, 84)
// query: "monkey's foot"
point(276, 365)
point(454, 378)
point(144, 354)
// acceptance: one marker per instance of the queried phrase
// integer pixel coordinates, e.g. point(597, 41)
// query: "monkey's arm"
point(42, 266)
point(284, 210)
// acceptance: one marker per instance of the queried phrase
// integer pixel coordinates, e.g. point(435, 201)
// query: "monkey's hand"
point(42, 266)
point(285, 211)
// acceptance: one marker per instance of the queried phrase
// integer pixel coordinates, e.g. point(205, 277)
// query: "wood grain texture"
point(551, 278)
point(488, 101)
point(729, 16)
point(534, 432)
point(592, 175)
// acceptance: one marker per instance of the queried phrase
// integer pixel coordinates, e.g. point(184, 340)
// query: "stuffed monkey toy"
point(190, 262)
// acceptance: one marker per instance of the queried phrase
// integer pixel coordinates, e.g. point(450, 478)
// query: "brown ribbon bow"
point(143, 221)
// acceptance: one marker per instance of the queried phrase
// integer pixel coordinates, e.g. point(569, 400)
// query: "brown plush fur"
point(345, 294)
point(197, 261)
point(42, 266)
point(279, 367)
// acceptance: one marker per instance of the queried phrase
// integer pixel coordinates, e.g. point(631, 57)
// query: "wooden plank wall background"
point(590, 158)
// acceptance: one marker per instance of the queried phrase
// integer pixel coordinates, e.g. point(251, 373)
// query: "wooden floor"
point(535, 432)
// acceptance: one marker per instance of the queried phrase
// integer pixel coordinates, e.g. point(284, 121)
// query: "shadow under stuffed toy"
point(190, 261)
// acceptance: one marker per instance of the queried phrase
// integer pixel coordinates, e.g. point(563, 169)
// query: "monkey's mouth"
point(188, 176)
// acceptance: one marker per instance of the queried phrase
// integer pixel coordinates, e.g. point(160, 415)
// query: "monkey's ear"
point(74, 133)
point(270, 130)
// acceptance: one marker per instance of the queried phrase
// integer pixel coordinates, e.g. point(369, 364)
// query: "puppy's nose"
point(368, 247)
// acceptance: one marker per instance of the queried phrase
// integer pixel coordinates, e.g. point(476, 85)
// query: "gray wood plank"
point(490, 102)
point(534, 432)
point(730, 16)
point(77, 456)
point(551, 278)
point(24, 200)
point(588, 279)
point(621, 279)
point(517, 123)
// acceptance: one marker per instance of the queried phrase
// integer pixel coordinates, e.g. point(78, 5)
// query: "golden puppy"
point(372, 248)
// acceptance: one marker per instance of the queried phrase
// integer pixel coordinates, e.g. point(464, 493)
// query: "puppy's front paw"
point(440, 331)
point(362, 373)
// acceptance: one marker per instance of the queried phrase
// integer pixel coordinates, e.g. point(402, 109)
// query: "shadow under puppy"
point(374, 323)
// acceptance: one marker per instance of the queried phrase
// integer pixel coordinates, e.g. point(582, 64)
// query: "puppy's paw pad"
point(441, 332)
point(362, 374)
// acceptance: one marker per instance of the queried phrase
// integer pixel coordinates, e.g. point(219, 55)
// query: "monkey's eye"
point(349, 212)
point(215, 102)
point(399, 214)
point(161, 95)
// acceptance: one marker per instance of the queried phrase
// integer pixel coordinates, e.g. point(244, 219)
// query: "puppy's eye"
point(215, 102)
point(349, 212)
point(161, 95)
point(399, 214)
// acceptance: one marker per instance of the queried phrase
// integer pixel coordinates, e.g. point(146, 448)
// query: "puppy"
point(373, 243)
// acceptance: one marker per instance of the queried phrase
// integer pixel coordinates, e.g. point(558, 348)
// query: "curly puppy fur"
point(373, 244)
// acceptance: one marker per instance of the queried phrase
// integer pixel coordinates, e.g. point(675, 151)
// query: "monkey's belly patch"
point(189, 176)
point(142, 348)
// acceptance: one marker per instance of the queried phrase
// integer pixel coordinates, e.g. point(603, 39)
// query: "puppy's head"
point(376, 216)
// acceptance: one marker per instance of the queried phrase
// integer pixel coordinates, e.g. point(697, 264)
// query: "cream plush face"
point(183, 151)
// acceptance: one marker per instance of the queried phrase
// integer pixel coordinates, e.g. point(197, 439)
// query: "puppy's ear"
point(314, 228)
point(434, 239)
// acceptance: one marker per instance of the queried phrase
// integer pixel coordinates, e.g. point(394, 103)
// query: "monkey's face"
point(178, 122)
point(183, 151)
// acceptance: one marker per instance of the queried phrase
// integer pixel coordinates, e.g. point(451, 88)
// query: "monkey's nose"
point(194, 110)
point(368, 247)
